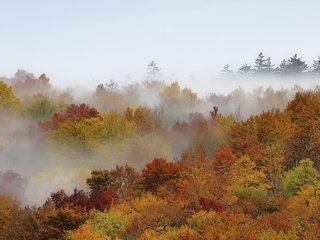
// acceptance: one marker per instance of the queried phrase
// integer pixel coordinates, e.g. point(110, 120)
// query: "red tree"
point(159, 172)
point(72, 112)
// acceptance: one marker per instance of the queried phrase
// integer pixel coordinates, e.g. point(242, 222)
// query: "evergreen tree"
point(112, 85)
point(269, 66)
point(315, 68)
point(245, 69)
point(226, 69)
point(153, 71)
point(294, 65)
point(282, 67)
point(263, 65)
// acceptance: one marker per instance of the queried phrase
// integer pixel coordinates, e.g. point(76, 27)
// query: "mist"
point(37, 165)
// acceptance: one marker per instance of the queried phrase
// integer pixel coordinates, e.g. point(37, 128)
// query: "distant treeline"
point(263, 65)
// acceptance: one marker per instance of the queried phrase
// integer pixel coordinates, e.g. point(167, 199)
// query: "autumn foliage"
point(208, 175)
point(73, 112)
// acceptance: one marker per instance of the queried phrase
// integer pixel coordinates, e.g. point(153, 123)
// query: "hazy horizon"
point(77, 43)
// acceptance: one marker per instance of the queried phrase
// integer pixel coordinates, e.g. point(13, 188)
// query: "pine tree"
point(315, 68)
point(269, 66)
point(153, 71)
point(282, 67)
point(263, 65)
point(245, 69)
point(226, 69)
point(295, 65)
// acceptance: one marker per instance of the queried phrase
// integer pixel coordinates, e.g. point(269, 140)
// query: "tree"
point(21, 75)
point(112, 85)
point(263, 65)
point(28, 84)
point(56, 223)
point(245, 69)
point(303, 174)
point(226, 69)
point(154, 213)
point(108, 97)
point(268, 66)
point(223, 160)
point(244, 139)
point(282, 67)
point(110, 224)
point(153, 71)
point(41, 109)
point(86, 232)
point(304, 114)
point(99, 180)
point(116, 127)
point(218, 133)
point(189, 97)
point(123, 181)
point(208, 224)
point(78, 200)
point(102, 200)
point(43, 79)
point(73, 112)
point(159, 172)
point(315, 68)
point(12, 183)
point(16, 222)
point(79, 135)
point(85, 133)
point(171, 93)
point(8, 101)
point(294, 65)
point(144, 118)
point(244, 174)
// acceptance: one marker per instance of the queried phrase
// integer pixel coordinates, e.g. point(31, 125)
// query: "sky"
point(83, 43)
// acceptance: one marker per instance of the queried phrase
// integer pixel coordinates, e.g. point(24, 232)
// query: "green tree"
point(303, 174)
point(110, 224)
point(99, 180)
point(41, 109)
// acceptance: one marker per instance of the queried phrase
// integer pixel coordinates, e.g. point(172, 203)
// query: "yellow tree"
point(78, 134)
point(86, 232)
point(143, 118)
point(8, 101)
point(244, 173)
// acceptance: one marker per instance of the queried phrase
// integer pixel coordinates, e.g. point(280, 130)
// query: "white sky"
point(78, 42)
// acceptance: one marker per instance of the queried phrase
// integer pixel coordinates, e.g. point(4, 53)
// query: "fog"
point(42, 168)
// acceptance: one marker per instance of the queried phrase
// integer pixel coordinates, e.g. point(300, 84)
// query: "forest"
point(154, 160)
